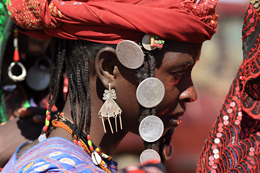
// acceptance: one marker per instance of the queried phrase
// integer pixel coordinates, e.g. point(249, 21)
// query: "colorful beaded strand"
point(81, 143)
point(43, 135)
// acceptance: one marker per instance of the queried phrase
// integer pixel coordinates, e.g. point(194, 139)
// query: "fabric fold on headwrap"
point(113, 21)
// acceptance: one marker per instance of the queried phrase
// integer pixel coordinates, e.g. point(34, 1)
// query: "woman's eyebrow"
point(185, 63)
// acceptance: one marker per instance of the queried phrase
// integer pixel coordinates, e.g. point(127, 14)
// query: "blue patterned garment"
point(54, 155)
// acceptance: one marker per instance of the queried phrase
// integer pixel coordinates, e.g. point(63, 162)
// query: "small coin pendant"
point(146, 42)
point(149, 154)
point(150, 92)
point(151, 128)
point(129, 54)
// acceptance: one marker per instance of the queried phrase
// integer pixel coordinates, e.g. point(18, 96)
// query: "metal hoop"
point(169, 155)
point(19, 78)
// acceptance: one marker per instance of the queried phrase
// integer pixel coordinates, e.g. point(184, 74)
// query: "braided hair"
point(78, 56)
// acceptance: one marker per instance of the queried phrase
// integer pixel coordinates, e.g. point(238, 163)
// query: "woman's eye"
point(178, 73)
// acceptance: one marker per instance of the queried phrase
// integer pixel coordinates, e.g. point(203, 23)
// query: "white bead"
point(96, 158)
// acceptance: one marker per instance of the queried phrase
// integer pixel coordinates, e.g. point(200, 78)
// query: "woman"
point(122, 76)
point(233, 143)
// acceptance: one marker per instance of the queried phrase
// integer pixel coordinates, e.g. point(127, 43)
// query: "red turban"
point(111, 21)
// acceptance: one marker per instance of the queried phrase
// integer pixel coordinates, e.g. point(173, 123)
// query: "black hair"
point(78, 58)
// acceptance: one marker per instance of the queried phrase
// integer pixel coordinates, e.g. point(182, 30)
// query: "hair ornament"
point(151, 42)
point(129, 54)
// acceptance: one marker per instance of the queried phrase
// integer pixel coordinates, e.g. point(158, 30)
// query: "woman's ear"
point(106, 65)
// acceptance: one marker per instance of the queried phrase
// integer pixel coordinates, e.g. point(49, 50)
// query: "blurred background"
point(212, 77)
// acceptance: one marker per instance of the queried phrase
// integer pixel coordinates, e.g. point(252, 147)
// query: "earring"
point(110, 109)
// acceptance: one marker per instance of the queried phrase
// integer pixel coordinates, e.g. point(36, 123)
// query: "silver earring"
point(110, 109)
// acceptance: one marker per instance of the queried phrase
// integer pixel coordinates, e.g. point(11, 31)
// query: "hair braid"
point(56, 72)
point(71, 74)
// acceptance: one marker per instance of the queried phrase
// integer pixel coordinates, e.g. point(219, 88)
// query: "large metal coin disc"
point(150, 92)
point(149, 154)
point(151, 128)
point(129, 54)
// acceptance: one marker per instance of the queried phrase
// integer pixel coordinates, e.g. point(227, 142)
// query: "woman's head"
point(91, 67)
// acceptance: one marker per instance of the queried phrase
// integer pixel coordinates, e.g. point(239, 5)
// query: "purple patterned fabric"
point(54, 155)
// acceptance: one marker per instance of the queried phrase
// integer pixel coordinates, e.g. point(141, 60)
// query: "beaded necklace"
point(87, 145)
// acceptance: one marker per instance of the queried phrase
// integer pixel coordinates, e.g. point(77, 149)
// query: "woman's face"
point(174, 64)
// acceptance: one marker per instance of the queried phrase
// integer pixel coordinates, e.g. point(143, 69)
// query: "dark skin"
point(19, 130)
point(173, 68)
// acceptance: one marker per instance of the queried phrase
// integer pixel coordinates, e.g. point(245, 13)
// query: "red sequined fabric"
point(111, 21)
point(233, 145)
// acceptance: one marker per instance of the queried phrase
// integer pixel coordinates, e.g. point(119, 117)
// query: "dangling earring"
point(110, 109)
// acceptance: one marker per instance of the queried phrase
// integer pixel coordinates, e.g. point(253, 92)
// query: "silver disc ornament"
point(129, 54)
point(149, 154)
point(150, 92)
point(151, 128)
point(146, 42)
point(38, 77)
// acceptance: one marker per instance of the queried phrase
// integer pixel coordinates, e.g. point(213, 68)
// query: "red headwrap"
point(111, 21)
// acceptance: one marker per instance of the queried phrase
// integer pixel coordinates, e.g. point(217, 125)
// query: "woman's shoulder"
point(53, 154)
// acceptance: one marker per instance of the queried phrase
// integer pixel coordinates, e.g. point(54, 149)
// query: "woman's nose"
point(189, 94)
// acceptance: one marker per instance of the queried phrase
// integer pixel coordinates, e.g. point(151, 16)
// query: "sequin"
point(229, 111)
point(252, 29)
point(226, 122)
point(211, 163)
point(225, 117)
point(215, 151)
point(252, 149)
point(252, 20)
point(217, 140)
point(251, 153)
point(234, 97)
point(216, 156)
point(220, 129)
point(250, 11)
point(237, 122)
point(211, 158)
point(240, 114)
point(232, 104)
point(258, 133)
point(239, 118)
point(220, 125)
point(219, 135)
point(213, 171)
point(214, 166)
point(62, 3)
point(213, 147)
